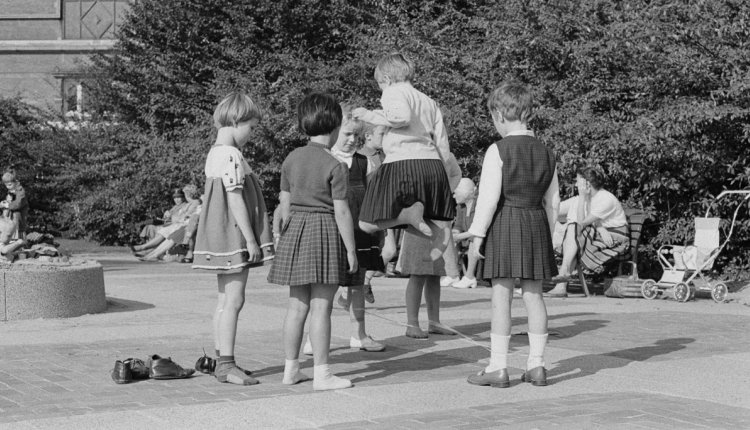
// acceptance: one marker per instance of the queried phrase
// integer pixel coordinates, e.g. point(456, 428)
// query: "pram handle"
point(727, 192)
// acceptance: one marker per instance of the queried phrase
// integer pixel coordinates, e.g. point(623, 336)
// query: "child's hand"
point(474, 248)
point(254, 253)
point(359, 113)
point(351, 257)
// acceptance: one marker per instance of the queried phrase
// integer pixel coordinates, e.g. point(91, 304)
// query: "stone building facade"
point(43, 44)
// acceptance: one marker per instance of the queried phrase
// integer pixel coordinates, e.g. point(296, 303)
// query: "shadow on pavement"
point(589, 364)
point(122, 305)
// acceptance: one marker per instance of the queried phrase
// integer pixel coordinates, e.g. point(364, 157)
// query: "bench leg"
point(582, 279)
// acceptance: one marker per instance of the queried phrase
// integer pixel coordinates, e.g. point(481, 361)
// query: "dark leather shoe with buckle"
point(497, 379)
point(537, 376)
point(165, 368)
point(122, 373)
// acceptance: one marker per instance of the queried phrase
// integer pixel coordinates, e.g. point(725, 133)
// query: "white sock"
point(498, 352)
point(324, 380)
point(537, 342)
point(291, 367)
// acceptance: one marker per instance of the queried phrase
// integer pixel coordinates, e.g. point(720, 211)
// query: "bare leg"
point(153, 243)
point(357, 312)
point(412, 216)
point(232, 287)
point(294, 325)
point(159, 251)
point(432, 299)
point(321, 301)
point(570, 251)
point(413, 300)
point(537, 311)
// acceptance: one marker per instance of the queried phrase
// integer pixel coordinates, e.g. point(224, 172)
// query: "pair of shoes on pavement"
point(155, 367)
point(499, 378)
point(465, 283)
point(366, 344)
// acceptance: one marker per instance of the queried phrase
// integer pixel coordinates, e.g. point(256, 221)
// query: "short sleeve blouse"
point(228, 163)
point(606, 207)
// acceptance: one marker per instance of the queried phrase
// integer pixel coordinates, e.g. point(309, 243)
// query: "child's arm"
point(551, 201)
point(396, 112)
point(346, 229)
point(239, 211)
point(490, 185)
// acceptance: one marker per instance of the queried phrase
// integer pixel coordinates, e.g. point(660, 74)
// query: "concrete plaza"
point(613, 363)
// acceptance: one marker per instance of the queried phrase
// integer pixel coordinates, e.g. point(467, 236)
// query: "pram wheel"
point(649, 289)
point(682, 292)
point(719, 292)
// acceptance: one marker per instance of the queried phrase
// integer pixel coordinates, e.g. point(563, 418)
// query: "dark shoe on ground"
point(122, 373)
point(165, 368)
point(186, 260)
point(497, 379)
point(138, 368)
point(205, 364)
point(536, 376)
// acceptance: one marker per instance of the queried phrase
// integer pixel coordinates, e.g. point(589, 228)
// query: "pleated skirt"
point(400, 184)
point(595, 253)
point(519, 245)
point(310, 251)
point(368, 245)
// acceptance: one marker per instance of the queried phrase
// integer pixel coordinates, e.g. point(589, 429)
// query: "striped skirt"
point(310, 251)
point(400, 184)
point(519, 245)
point(595, 253)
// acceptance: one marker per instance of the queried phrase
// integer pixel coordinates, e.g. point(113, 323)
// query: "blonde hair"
point(396, 66)
point(235, 108)
point(513, 101)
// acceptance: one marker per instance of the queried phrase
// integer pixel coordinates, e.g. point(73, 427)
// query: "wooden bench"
point(636, 219)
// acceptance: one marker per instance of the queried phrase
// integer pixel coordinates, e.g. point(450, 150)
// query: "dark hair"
point(318, 114)
point(178, 193)
point(594, 175)
point(513, 100)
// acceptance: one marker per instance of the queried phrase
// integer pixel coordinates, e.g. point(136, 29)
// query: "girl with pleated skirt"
point(516, 210)
point(316, 248)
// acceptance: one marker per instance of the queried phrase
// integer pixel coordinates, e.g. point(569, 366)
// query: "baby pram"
point(683, 264)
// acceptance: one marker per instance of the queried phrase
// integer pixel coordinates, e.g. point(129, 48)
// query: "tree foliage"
point(656, 92)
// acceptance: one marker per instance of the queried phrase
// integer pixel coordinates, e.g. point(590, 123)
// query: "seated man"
point(596, 225)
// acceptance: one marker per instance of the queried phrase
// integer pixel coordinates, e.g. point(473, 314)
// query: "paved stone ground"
point(612, 363)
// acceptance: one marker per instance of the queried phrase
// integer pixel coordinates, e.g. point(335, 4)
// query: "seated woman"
point(596, 225)
point(179, 216)
point(151, 228)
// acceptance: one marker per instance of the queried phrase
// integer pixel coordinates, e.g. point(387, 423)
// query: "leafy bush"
point(656, 92)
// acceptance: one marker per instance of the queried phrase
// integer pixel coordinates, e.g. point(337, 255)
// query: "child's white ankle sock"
point(498, 352)
point(292, 375)
point(537, 342)
point(324, 380)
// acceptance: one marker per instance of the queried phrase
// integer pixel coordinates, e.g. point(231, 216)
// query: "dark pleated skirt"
point(310, 251)
point(519, 245)
point(368, 245)
point(595, 253)
point(402, 183)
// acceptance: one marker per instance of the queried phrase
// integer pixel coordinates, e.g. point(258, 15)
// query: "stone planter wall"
point(31, 289)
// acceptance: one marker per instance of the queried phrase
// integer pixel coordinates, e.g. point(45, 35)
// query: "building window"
point(73, 96)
